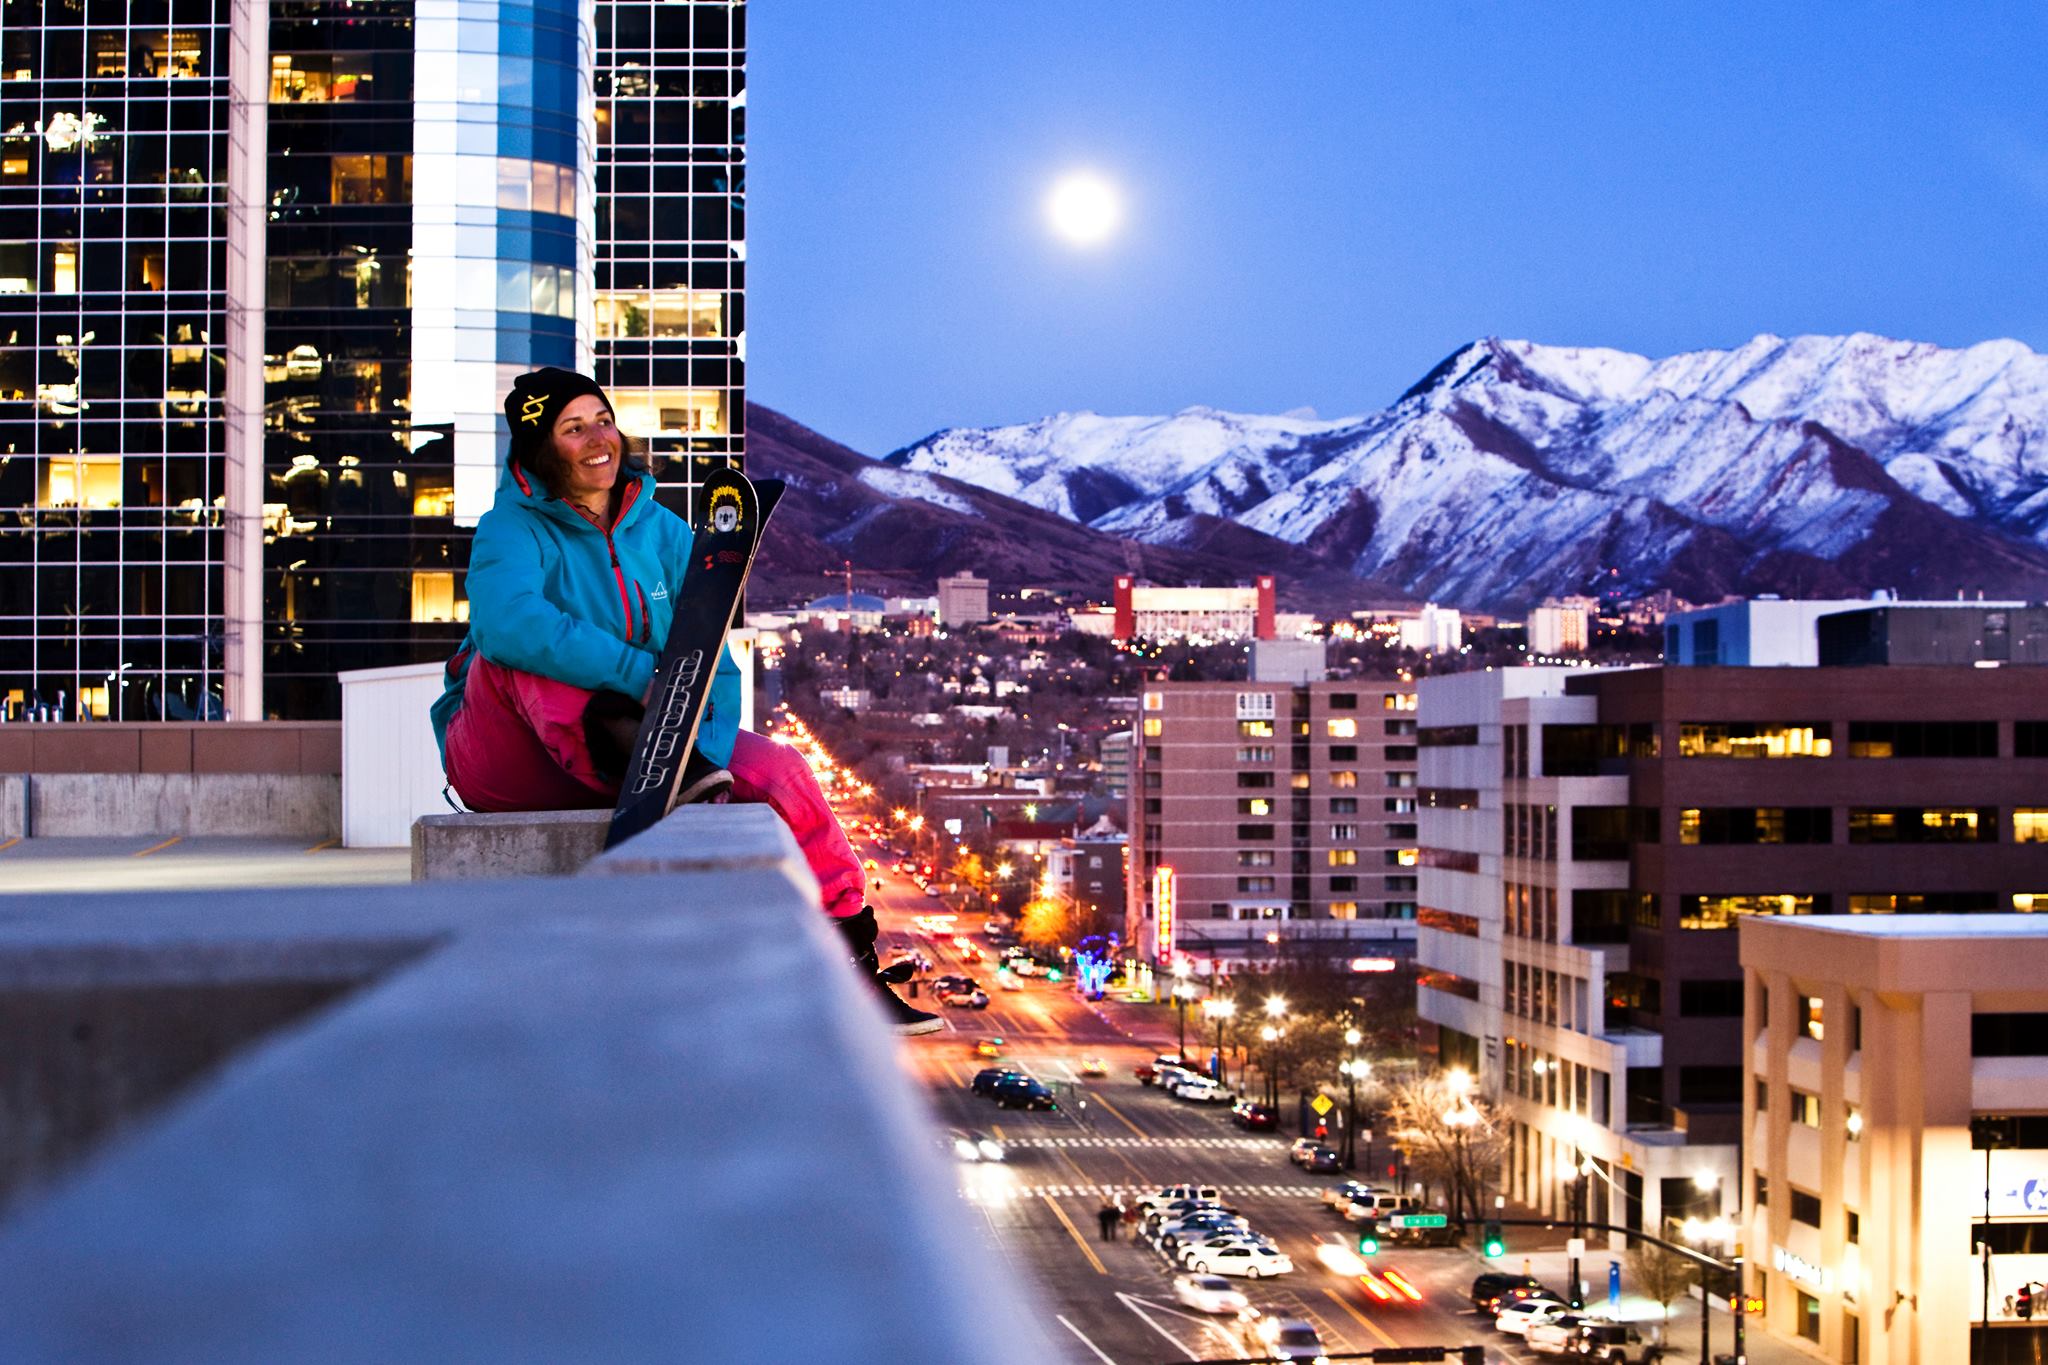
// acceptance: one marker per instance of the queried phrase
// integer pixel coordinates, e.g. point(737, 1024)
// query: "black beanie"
point(536, 400)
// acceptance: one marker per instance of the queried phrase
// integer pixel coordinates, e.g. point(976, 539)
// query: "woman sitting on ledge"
point(570, 580)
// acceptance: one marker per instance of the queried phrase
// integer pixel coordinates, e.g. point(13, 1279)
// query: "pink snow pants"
point(517, 743)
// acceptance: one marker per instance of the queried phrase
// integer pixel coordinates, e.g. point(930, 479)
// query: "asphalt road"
point(1112, 1300)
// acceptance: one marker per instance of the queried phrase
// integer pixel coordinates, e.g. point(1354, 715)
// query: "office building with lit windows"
point(266, 273)
point(1286, 812)
point(1589, 841)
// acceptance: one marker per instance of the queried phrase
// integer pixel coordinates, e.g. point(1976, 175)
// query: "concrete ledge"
point(548, 843)
point(656, 1118)
point(159, 804)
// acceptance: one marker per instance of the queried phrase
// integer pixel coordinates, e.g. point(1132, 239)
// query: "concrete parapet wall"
point(548, 843)
point(647, 1115)
point(282, 805)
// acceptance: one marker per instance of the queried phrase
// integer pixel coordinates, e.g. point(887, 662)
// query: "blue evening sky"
point(1325, 198)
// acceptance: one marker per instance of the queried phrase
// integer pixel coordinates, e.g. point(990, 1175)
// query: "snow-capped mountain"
point(1514, 471)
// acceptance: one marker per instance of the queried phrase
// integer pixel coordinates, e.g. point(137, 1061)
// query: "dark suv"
point(1021, 1092)
point(1489, 1289)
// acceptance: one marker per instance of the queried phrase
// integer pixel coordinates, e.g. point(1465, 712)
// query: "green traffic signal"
point(1368, 1245)
point(1492, 1244)
point(1496, 1249)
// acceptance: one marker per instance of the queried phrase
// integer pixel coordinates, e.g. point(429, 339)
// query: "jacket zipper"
point(618, 571)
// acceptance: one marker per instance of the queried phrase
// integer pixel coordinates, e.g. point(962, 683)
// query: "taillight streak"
point(1394, 1278)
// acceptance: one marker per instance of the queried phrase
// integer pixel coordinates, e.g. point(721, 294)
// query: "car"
point(1008, 980)
point(1169, 1194)
point(964, 999)
point(1323, 1161)
point(1298, 1150)
point(1365, 1208)
point(1022, 1092)
point(1256, 1118)
point(933, 892)
point(1151, 1220)
point(1094, 1066)
point(1247, 1259)
point(1517, 1317)
point(1188, 1248)
point(1201, 1225)
point(1613, 1343)
point(989, 1047)
point(1200, 1090)
point(1488, 1289)
point(1278, 1338)
point(987, 1079)
point(1549, 1337)
point(870, 865)
point(1340, 1195)
point(1208, 1294)
point(953, 982)
point(971, 1145)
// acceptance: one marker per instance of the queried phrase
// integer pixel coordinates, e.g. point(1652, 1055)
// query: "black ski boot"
point(704, 783)
point(861, 932)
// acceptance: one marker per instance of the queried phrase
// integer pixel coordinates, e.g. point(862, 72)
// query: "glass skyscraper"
point(266, 271)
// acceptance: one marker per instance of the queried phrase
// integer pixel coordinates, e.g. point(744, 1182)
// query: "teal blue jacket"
point(550, 593)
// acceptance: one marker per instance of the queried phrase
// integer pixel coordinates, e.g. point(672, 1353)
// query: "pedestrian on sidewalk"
point(1130, 1216)
point(573, 579)
point(1106, 1219)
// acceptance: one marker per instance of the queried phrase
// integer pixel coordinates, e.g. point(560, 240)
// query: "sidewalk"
point(1682, 1333)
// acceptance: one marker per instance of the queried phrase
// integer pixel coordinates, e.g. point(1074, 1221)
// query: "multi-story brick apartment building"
point(1589, 841)
point(1286, 811)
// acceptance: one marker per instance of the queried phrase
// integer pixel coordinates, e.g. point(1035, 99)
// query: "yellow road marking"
point(1075, 1233)
point(997, 1129)
point(1099, 1099)
point(10, 843)
point(1363, 1320)
point(324, 844)
point(144, 853)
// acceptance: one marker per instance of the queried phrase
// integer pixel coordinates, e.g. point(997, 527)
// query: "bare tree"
point(1660, 1273)
point(1451, 1137)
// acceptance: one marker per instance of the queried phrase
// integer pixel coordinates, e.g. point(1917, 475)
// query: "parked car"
point(1186, 1250)
point(1168, 1194)
point(1298, 1150)
point(987, 1079)
point(1021, 1092)
point(1613, 1343)
point(1517, 1317)
point(1208, 1294)
point(1154, 1219)
point(1488, 1289)
point(1199, 1090)
point(1246, 1259)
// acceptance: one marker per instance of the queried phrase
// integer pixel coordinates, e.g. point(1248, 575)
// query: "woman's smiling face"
point(588, 443)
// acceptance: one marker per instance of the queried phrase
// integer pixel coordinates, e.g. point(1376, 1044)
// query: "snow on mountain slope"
point(1513, 471)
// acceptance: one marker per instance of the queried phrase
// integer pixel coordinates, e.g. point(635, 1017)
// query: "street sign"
point(1418, 1220)
point(1614, 1284)
point(1322, 1105)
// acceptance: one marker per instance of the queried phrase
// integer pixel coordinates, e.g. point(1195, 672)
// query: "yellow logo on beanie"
point(530, 412)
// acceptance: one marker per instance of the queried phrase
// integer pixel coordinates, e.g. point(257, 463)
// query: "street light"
point(1351, 1068)
point(1271, 1035)
point(1460, 1118)
point(1704, 1233)
point(1219, 1010)
point(1182, 993)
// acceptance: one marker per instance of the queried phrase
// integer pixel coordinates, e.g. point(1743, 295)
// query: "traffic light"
point(2024, 1304)
point(1491, 1244)
point(1368, 1243)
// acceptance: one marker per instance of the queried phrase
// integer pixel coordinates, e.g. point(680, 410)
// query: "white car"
point(1550, 1337)
point(1208, 1294)
point(1199, 1228)
point(1194, 1247)
point(1517, 1318)
point(1200, 1090)
point(1246, 1259)
point(1168, 1194)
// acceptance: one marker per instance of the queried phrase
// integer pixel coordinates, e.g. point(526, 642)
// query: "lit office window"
point(84, 481)
point(433, 597)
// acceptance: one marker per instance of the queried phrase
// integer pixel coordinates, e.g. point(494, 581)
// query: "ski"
point(727, 531)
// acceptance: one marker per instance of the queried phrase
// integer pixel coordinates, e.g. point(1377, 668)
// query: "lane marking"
point(1131, 1302)
point(1103, 1100)
point(997, 1129)
point(10, 843)
point(1074, 1232)
point(1099, 1354)
point(335, 842)
point(144, 853)
point(1363, 1320)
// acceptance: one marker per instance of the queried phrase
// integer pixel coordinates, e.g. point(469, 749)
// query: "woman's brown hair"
point(546, 466)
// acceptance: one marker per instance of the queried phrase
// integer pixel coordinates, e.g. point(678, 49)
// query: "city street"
point(1113, 1300)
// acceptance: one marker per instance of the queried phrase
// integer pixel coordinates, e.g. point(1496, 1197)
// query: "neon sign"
point(1165, 909)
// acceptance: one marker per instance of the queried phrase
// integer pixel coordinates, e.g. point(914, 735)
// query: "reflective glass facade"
point(114, 168)
point(253, 349)
point(671, 240)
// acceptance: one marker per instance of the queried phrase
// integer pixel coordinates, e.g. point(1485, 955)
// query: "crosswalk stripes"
point(1227, 1143)
point(1003, 1193)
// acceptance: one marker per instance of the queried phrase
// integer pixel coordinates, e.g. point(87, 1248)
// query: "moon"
point(1084, 208)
